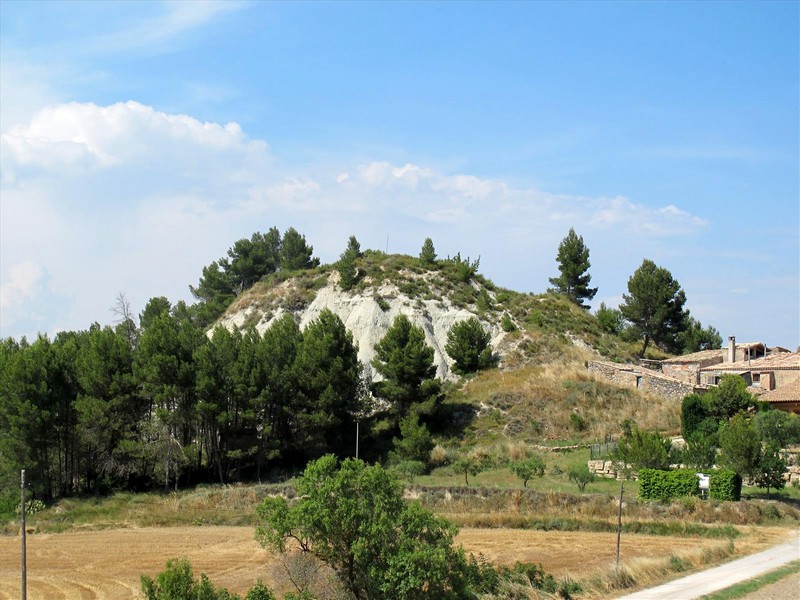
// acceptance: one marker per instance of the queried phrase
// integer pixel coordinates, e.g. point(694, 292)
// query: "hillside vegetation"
point(168, 400)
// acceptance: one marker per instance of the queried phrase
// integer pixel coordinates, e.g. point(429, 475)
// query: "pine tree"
point(348, 271)
point(428, 254)
point(654, 305)
point(573, 263)
point(295, 252)
point(405, 360)
point(468, 345)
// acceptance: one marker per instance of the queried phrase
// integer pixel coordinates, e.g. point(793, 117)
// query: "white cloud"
point(24, 281)
point(87, 136)
point(128, 198)
point(159, 32)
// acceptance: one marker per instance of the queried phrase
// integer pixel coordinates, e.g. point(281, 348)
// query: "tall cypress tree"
point(573, 263)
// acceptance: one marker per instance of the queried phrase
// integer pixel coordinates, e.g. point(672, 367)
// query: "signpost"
point(24, 558)
point(619, 518)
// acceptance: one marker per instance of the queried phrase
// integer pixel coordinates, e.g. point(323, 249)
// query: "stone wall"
point(791, 456)
point(603, 468)
point(644, 379)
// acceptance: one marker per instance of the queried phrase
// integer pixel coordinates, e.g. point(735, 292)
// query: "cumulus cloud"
point(128, 198)
point(82, 136)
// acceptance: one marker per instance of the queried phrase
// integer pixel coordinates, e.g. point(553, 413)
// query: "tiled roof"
point(783, 360)
point(706, 354)
point(786, 393)
point(696, 356)
point(639, 370)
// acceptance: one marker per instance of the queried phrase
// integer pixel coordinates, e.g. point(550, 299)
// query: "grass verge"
point(742, 589)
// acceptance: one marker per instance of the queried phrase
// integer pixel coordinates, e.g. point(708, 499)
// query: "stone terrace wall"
point(644, 379)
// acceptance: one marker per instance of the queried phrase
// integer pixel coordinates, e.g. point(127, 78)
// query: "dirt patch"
point(107, 564)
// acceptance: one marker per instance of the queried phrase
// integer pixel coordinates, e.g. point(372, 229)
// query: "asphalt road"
point(718, 578)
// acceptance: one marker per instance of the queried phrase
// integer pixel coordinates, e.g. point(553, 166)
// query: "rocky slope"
point(367, 311)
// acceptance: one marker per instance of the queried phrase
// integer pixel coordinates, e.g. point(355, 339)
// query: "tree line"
point(162, 403)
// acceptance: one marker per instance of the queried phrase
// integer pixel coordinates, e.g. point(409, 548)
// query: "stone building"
point(641, 378)
point(768, 373)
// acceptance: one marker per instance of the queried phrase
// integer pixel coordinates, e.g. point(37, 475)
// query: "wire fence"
point(605, 449)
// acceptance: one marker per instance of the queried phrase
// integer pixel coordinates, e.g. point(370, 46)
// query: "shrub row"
point(725, 485)
point(655, 484)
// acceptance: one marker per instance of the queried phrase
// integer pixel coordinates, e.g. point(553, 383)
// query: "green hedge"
point(724, 484)
point(655, 484)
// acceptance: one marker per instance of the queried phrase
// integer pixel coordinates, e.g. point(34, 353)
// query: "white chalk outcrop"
point(369, 321)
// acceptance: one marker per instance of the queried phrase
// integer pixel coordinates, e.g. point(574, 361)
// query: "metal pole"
point(24, 557)
point(356, 439)
point(619, 518)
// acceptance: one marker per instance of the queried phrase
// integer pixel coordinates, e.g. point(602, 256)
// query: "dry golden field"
point(107, 563)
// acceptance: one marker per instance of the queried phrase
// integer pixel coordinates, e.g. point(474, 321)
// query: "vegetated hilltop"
point(541, 389)
point(523, 327)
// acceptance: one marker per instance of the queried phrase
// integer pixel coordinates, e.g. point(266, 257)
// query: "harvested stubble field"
point(107, 563)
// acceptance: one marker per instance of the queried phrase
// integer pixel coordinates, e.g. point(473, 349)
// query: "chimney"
point(732, 349)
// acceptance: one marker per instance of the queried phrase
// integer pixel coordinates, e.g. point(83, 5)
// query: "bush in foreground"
point(353, 518)
point(177, 582)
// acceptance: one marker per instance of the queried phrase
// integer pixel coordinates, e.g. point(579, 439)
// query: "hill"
point(523, 327)
point(541, 389)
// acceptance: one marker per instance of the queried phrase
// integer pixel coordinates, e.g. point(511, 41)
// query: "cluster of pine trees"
point(130, 407)
point(161, 402)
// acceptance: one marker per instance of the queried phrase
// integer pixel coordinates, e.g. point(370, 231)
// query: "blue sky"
point(140, 140)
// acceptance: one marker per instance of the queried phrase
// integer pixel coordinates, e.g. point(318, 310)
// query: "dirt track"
point(107, 564)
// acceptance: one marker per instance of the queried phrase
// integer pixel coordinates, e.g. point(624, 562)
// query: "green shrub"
point(484, 301)
point(528, 469)
point(581, 476)
point(655, 484)
point(577, 422)
point(507, 324)
point(725, 485)
point(409, 469)
point(31, 507)
point(382, 304)
point(177, 582)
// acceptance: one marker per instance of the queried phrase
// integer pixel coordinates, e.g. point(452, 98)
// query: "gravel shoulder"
point(719, 578)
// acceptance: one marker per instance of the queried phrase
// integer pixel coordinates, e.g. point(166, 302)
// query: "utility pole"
point(356, 439)
point(619, 518)
point(24, 557)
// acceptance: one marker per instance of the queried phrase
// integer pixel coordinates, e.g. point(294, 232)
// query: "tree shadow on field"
point(773, 497)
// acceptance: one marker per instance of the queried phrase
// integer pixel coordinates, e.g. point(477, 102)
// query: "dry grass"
point(534, 403)
point(107, 564)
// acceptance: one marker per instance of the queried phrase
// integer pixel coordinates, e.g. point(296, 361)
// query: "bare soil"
point(108, 563)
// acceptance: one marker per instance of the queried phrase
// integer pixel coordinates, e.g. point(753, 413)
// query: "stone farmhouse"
point(642, 378)
point(687, 367)
point(773, 372)
point(770, 372)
